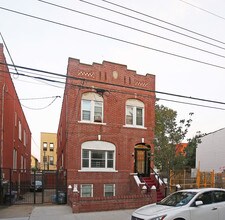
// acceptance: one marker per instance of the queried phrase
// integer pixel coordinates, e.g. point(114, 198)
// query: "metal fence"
point(19, 186)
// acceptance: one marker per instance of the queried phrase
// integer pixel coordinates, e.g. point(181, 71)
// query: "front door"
point(142, 160)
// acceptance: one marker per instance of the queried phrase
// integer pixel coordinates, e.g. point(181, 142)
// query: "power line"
point(132, 28)
point(42, 108)
point(105, 83)
point(116, 39)
point(189, 103)
point(202, 9)
point(8, 51)
point(163, 21)
point(158, 99)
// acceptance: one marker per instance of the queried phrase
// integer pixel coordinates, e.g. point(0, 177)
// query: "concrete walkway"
point(62, 212)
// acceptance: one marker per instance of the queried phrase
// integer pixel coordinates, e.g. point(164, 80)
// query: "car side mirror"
point(198, 203)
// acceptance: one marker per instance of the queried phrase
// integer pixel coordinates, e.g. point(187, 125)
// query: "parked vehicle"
point(36, 185)
point(190, 204)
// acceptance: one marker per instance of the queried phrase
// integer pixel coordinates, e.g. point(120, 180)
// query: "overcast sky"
point(179, 69)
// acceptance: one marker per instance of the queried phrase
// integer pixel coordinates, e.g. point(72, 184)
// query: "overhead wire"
point(155, 18)
point(41, 108)
point(202, 9)
point(157, 99)
point(116, 39)
point(132, 28)
point(7, 49)
point(105, 83)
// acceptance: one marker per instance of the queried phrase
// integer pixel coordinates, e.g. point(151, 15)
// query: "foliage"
point(190, 150)
point(168, 134)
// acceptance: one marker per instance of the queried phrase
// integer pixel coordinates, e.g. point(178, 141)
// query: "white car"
point(190, 204)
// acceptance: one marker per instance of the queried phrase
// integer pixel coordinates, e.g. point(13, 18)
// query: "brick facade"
point(15, 131)
point(115, 84)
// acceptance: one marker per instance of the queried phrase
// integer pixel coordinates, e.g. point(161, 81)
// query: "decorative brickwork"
point(112, 135)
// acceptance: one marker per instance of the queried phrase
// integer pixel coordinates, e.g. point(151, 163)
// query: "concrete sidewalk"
point(62, 212)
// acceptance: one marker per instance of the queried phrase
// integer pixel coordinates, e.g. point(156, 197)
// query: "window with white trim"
point(92, 107)
point(134, 113)
point(14, 159)
point(20, 130)
point(86, 190)
point(109, 190)
point(98, 156)
point(24, 138)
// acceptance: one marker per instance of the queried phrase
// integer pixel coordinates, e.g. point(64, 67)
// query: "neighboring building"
point(15, 144)
point(48, 156)
point(34, 163)
point(210, 152)
point(180, 148)
point(106, 133)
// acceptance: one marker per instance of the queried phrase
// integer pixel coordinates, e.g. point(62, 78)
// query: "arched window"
point(134, 113)
point(98, 156)
point(92, 107)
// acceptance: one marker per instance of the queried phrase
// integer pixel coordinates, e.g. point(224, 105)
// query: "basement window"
point(86, 190)
point(109, 190)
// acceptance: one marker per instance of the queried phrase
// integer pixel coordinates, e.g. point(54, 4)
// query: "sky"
point(187, 61)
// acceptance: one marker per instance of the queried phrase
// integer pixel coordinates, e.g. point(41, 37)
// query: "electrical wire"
point(42, 108)
point(116, 39)
point(202, 9)
point(8, 51)
point(132, 28)
point(106, 83)
point(152, 17)
point(189, 103)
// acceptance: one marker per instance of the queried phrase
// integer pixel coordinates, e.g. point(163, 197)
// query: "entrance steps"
point(151, 181)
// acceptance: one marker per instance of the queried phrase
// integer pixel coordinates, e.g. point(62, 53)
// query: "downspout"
point(2, 125)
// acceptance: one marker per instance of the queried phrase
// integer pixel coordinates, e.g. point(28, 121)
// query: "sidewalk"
point(63, 212)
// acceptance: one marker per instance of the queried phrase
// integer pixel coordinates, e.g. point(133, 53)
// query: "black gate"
point(32, 187)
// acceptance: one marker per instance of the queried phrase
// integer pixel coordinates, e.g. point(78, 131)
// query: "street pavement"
point(62, 212)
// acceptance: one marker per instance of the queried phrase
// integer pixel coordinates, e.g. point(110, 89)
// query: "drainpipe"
point(2, 126)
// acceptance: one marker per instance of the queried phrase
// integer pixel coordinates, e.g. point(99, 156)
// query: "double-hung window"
point(109, 190)
point(92, 107)
point(134, 113)
point(86, 190)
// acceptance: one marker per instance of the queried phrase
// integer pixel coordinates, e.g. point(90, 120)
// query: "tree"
point(168, 134)
point(190, 150)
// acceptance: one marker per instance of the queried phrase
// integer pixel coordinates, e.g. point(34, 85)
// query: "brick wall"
point(116, 84)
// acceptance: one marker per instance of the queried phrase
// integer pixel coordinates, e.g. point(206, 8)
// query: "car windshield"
point(177, 199)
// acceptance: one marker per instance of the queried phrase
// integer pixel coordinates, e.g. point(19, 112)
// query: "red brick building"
point(15, 144)
point(105, 135)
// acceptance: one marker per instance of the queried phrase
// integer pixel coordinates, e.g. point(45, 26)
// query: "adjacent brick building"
point(105, 135)
point(15, 144)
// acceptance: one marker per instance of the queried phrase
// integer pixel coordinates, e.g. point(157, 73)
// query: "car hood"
point(154, 209)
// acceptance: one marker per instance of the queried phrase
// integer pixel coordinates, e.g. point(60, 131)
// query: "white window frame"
point(24, 138)
point(14, 159)
point(113, 187)
point(135, 104)
point(98, 146)
point(21, 163)
point(93, 99)
point(82, 190)
point(20, 131)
